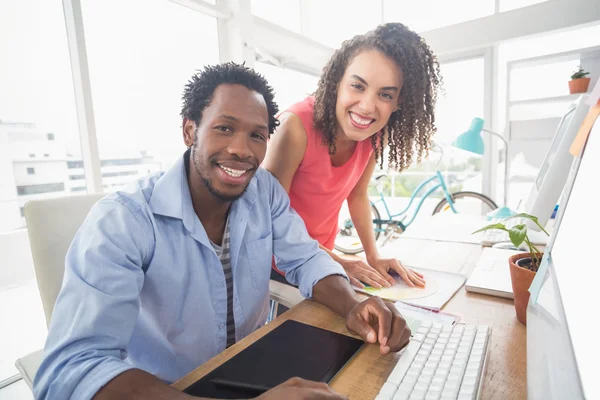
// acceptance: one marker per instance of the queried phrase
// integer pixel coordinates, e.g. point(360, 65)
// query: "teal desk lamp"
point(472, 141)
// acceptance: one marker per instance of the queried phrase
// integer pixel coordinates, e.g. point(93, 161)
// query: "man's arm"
point(373, 319)
point(97, 309)
point(136, 384)
point(321, 278)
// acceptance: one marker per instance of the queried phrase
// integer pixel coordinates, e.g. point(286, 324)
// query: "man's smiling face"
point(231, 140)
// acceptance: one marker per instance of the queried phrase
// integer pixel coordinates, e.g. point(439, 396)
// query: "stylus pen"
point(240, 385)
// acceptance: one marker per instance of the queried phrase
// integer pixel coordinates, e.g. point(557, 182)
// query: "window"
point(22, 211)
point(33, 101)
point(120, 173)
point(547, 80)
point(30, 171)
point(290, 86)
point(464, 99)
point(74, 164)
point(46, 155)
point(550, 43)
point(137, 77)
point(285, 13)
point(42, 188)
point(426, 15)
point(332, 22)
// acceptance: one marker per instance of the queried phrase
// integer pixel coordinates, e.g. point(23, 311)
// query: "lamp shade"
point(471, 140)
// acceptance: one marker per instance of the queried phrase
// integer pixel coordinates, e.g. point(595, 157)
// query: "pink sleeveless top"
point(319, 189)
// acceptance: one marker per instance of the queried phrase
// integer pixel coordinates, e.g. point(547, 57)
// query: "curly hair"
point(409, 128)
point(200, 88)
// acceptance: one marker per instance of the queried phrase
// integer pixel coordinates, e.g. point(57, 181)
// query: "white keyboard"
point(440, 362)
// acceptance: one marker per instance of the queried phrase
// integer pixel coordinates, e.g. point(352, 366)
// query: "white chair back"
point(51, 225)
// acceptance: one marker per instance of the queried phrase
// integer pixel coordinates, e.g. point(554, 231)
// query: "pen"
point(240, 385)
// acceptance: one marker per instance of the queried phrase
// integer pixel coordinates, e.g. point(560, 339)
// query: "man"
point(163, 276)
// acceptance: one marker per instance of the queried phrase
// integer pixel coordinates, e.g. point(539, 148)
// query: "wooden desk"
point(362, 378)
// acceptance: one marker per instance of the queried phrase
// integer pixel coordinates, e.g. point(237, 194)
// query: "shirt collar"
point(171, 196)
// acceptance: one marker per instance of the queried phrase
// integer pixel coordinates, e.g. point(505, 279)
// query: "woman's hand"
point(384, 265)
point(359, 271)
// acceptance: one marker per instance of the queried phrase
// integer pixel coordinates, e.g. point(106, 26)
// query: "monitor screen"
point(547, 188)
point(562, 344)
point(556, 141)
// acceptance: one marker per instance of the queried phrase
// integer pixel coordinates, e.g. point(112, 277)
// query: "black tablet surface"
point(292, 349)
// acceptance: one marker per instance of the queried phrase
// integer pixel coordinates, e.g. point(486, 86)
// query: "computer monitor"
point(552, 175)
point(562, 338)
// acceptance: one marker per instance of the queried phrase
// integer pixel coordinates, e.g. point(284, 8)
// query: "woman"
point(378, 90)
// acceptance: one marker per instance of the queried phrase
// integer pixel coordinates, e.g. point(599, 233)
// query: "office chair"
point(51, 225)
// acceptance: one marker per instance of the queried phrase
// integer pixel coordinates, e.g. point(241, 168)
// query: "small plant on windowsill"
point(579, 83)
point(523, 266)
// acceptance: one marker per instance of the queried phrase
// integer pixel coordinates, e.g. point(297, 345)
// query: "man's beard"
point(208, 183)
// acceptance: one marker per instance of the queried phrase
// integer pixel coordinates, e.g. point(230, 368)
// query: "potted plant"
point(523, 266)
point(579, 83)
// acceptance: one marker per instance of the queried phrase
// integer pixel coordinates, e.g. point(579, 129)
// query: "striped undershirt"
point(224, 255)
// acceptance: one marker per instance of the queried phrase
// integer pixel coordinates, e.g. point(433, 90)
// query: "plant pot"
point(521, 279)
point(579, 85)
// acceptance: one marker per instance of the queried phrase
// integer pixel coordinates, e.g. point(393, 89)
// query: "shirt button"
point(221, 326)
point(220, 285)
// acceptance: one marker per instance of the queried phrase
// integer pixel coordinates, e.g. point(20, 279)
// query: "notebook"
point(292, 349)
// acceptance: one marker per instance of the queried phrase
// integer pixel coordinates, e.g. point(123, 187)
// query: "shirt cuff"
point(317, 268)
point(98, 377)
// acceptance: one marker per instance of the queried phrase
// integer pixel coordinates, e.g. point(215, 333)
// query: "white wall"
point(591, 63)
point(537, 19)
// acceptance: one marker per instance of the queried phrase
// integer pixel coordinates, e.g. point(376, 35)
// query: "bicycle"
point(347, 240)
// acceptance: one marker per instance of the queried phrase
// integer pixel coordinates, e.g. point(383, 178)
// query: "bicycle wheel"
point(347, 240)
point(470, 203)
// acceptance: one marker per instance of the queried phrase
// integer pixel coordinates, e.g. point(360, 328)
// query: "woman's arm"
point(360, 212)
point(285, 152)
point(359, 206)
point(286, 149)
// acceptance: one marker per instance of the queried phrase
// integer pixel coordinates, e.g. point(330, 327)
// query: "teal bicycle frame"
point(441, 184)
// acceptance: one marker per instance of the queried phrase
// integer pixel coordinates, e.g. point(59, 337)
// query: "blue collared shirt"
point(143, 287)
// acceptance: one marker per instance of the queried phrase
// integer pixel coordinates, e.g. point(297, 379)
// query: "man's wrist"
point(349, 305)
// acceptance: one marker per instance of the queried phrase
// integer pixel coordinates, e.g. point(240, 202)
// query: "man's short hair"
point(199, 90)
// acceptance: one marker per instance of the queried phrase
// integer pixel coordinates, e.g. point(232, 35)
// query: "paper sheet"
point(401, 290)
point(448, 284)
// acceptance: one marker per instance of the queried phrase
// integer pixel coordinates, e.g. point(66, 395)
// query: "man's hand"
point(300, 389)
point(359, 271)
point(377, 321)
point(384, 265)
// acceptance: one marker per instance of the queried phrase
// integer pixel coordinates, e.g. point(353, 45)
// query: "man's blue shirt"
point(143, 287)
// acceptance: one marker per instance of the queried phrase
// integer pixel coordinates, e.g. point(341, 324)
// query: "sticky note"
point(584, 130)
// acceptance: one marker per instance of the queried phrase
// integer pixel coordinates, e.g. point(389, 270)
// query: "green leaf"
point(528, 216)
point(517, 234)
point(492, 226)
